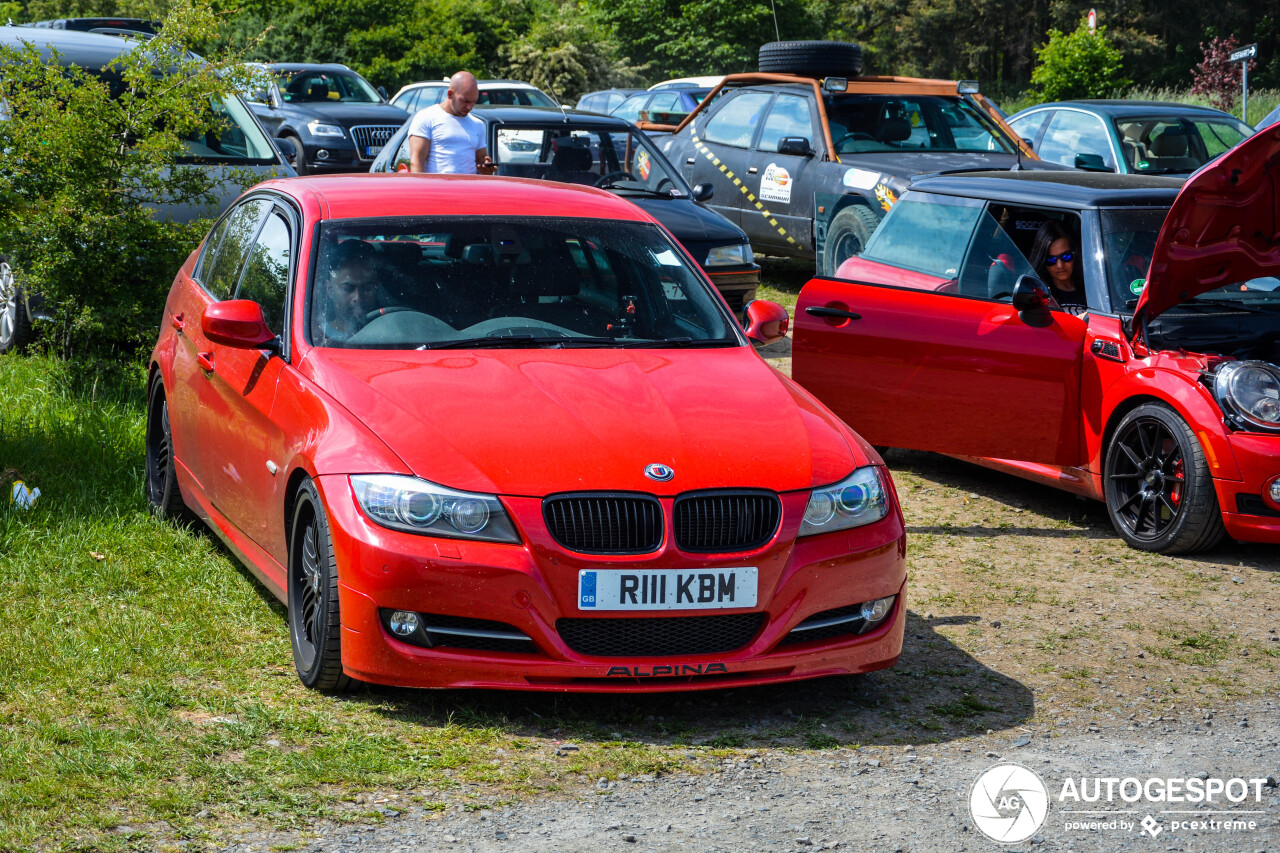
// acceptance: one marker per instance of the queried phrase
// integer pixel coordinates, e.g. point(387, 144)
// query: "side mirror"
point(1031, 300)
point(237, 323)
point(1091, 163)
point(382, 90)
point(287, 148)
point(767, 322)
point(703, 192)
point(797, 145)
point(1031, 146)
point(273, 98)
point(402, 167)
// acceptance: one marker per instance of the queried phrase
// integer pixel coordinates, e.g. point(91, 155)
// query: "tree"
point(568, 57)
point(1217, 76)
point(1078, 65)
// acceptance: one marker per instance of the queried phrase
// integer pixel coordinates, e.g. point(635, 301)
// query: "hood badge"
point(657, 471)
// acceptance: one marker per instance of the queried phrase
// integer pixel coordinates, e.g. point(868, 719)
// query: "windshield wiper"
point(629, 187)
point(499, 341)
point(676, 343)
point(1220, 303)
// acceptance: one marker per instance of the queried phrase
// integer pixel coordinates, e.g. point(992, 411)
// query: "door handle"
point(205, 360)
point(176, 322)
point(823, 311)
point(751, 171)
point(689, 162)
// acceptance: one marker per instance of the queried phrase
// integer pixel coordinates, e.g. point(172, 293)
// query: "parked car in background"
point(334, 118)
point(604, 100)
point(89, 25)
point(244, 145)
point(664, 106)
point(1162, 399)
point(1269, 119)
point(526, 466)
point(418, 96)
point(808, 162)
point(1131, 137)
point(705, 83)
point(608, 152)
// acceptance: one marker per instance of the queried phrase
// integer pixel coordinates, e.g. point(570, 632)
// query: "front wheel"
point(299, 161)
point(1158, 488)
point(847, 236)
point(314, 626)
point(15, 325)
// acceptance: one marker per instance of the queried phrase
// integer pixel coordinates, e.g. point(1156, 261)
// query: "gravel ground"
point(899, 798)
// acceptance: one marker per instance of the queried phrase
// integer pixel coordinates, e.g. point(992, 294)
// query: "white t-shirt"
point(454, 141)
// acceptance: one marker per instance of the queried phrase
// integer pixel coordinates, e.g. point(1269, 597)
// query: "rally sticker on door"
point(775, 184)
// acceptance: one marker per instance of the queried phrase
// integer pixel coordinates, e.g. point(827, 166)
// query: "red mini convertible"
point(1158, 391)
point(485, 432)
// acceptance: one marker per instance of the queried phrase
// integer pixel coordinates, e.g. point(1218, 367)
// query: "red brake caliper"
point(1175, 496)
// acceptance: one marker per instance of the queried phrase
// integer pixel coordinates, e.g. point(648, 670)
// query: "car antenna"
point(563, 114)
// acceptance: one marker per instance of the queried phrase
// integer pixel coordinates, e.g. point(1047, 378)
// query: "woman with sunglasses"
point(1055, 259)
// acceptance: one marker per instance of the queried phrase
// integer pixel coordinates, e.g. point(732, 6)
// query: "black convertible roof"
point(1059, 189)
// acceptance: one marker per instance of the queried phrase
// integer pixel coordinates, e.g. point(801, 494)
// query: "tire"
point(299, 161)
point(811, 58)
point(161, 481)
point(15, 325)
point(315, 631)
point(847, 236)
point(1157, 485)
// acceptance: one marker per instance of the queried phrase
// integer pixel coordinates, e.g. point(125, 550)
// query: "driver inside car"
point(351, 291)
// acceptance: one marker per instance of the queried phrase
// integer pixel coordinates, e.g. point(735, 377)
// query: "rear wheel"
point(163, 495)
point(314, 626)
point(847, 236)
point(15, 325)
point(1158, 487)
point(811, 58)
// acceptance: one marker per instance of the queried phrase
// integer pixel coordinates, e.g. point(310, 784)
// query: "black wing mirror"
point(797, 145)
point(286, 148)
point(382, 90)
point(1091, 163)
point(1031, 299)
point(703, 192)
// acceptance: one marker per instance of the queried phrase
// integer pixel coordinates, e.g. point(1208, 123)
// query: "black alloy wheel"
point(847, 236)
point(1158, 488)
point(314, 626)
point(163, 495)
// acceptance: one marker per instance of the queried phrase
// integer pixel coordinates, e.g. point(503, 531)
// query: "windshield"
point(240, 140)
point(873, 123)
point(515, 97)
point(1129, 239)
point(616, 158)
point(1172, 145)
point(517, 282)
point(344, 87)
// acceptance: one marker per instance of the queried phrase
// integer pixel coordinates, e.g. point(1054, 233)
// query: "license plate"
point(667, 589)
point(372, 150)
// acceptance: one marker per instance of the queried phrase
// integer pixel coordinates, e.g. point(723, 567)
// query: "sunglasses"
point(1065, 257)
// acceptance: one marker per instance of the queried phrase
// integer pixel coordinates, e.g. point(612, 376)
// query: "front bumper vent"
point(660, 636)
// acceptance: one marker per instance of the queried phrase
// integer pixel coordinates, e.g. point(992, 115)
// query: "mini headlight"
point(725, 256)
point(1249, 390)
point(319, 128)
point(417, 506)
point(856, 500)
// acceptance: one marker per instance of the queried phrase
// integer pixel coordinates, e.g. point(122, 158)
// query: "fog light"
point(404, 623)
point(322, 154)
point(875, 611)
point(1274, 491)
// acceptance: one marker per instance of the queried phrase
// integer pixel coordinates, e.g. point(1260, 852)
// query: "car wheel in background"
point(163, 494)
point(299, 161)
point(312, 596)
point(811, 58)
point(1157, 484)
point(847, 236)
point(15, 325)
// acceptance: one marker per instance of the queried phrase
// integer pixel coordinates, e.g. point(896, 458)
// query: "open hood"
point(1223, 227)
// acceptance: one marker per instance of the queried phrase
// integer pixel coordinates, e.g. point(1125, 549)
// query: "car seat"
point(318, 91)
point(571, 164)
point(1169, 151)
point(894, 130)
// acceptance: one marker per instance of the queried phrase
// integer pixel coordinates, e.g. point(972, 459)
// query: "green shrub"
point(1078, 65)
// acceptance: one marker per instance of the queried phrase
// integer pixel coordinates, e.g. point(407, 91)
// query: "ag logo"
point(1009, 803)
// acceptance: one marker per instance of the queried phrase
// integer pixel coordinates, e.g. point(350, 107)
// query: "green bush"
point(89, 155)
point(1078, 65)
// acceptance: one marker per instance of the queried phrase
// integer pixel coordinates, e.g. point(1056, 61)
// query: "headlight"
point(319, 128)
point(725, 256)
point(416, 506)
point(856, 500)
point(1249, 390)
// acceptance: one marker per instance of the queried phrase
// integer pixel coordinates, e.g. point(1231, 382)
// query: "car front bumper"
point(1247, 512)
point(531, 586)
point(736, 284)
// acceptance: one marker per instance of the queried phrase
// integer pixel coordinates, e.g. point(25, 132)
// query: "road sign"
point(1093, 21)
point(1246, 52)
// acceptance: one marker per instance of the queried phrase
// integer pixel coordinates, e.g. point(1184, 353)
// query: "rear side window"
point(735, 122)
point(928, 235)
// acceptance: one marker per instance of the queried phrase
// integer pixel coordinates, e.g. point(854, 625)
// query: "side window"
point(994, 262)
point(665, 102)
point(929, 235)
point(266, 276)
point(1071, 133)
point(630, 108)
point(735, 122)
point(237, 238)
point(789, 116)
point(1028, 127)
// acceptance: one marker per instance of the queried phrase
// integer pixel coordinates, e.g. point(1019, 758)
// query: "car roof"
point(1057, 189)
point(88, 50)
point(518, 84)
point(372, 196)
point(1122, 107)
point(307, 66)
point(546, 115)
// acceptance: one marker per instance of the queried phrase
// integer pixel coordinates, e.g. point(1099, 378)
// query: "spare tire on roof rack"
point(811, 58)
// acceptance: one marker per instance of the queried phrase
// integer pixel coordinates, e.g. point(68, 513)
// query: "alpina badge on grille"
point(667, 589)
point(658, 471)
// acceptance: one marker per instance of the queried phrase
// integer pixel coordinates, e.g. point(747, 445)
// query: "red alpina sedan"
point(480, 432)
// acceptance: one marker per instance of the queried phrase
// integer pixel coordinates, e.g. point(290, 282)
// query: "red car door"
point(954, 371)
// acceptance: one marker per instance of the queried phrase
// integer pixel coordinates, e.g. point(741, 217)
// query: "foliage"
point(1080, 64)
point(1216, 76)
point(89, 157)
point(569, 57)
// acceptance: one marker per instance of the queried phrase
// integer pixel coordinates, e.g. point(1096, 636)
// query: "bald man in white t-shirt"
point(445, 138)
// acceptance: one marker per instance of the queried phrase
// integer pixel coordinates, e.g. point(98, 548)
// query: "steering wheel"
point(855, 135)
point(664, 182)
point(605, 180)
point(382, 312)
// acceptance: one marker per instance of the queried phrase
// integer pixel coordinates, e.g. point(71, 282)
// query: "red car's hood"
point(533, 422)
point(1223, 227)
